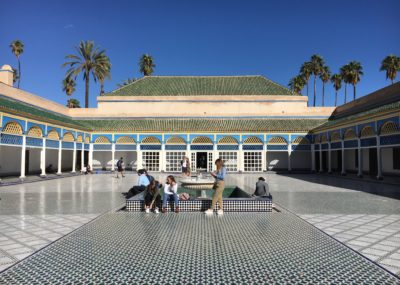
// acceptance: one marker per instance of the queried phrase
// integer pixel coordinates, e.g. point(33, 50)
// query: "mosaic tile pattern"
point(235, 248)
point(375, 236)
point(230, 205)
point(21, 236)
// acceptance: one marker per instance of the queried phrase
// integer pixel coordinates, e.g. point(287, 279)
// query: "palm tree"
point(103, 71)
point(146, 64)
point(86, 61)
point(391, 64)
point(17, 48)
point(15, 75)
point(305, 71)
point(316, 65)
point(336, 80)
point(324, 76)
point(73, 103)
point(126, 82)
point(345, 74)
point(297, 83)
point(356, 71)
point(68, 86)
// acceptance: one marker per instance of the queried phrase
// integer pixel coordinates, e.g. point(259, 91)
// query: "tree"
point(17, 48)
point(306, 71)
point(391, 64)
point(68, 86)
point(73, 103)
point(345, 74)
point(126, 82)
point(297, 84)
point(316, 65)
point(146, 64)
point(103, 71)
point(325, 75)
point(15, 75)
point(355, 73)
point(88, 61)
point(336, 80)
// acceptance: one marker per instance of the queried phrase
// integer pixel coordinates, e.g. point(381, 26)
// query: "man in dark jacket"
point(120, 168)
point(262, 188)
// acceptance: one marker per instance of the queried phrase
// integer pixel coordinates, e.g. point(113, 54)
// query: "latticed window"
point(253, 161)
point(335, 137)
point(53, 135)
point(350, 134)
point(175, 140)
point(301, 140)
point(210, 161)
point(277, 140)
point(173, 160)
point(102, 139)
point(35, 132)
point(12, 128)
point(125, 140)
point(230, 160)
point(367, 131)
point(151, 140)
point(252, 140)
point(202, 140)
point(87, 140)
point(151, 160)
point(227, 140)
point(79, 139)
point(68, 137)
point(389, 128)
point(317, 139)
point(324, 138)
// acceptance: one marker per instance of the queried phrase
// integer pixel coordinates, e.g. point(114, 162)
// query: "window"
point(356, 158)
point(151, 160)
point(253, 161)
point(396, 158)
point(173, 161)
point(210, 161)
point(230, 160)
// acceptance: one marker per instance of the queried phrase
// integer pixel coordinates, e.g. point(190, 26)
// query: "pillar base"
point(379, 177)
point(59, 173)
point(359, 175)
point(73, 172)
point(343, 173)
point(43, 175)
point(22, 177)
point(330, 172)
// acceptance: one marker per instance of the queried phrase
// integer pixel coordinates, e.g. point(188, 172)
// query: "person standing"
point(170, 189)
point(219, 187)
point(120, 168)
point(184, 165)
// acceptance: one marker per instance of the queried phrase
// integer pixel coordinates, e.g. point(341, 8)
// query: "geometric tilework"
point(191, 248)
point(228, 147)
point(324, 146)
point(67, 145)
point(34, 141)
point(275, 147)
point(175, 147)
point(102, 140)
point(150, 147)
point(259, 147)
point(368, 142)
point(125, 147)
point(12, 128)
point(51, 143)
point(201, 147)
point(68, 137)
point(35, 132)
point(99, 146)
point(301, 147)
point(350, 144)
point(11, 139)
point(336, 145)
point(389, 140)
point(53, 135)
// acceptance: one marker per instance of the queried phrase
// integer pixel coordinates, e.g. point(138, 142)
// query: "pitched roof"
point(36, 113)
point(203, 125)
point(201, 85)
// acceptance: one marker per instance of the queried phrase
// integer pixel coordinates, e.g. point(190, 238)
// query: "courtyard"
point(326, 229)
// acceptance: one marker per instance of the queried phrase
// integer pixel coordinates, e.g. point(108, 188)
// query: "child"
point(152, 197)
point(170, 189)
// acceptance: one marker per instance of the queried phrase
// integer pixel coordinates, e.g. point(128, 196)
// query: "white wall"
point(101, 158)
point(66, 160)
point(34, 160)
point(349, 156)
point(301, 160)
point(277, 160)
point(387, 162)
point(10, 160)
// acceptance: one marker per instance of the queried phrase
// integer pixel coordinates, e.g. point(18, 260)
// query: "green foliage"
point(73, 103)
point(146, 64)
point(17, 48)
point(297, 84)
point(391, 64)
point(68, 85)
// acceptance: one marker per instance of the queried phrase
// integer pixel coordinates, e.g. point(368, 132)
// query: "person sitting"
point(152, 197)
point(262, 188)
point(88, 170)
point(143, 182)
point(50, 169)
point(170, 189)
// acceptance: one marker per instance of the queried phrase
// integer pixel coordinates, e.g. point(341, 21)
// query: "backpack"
point(151, 178)
point(119, 163)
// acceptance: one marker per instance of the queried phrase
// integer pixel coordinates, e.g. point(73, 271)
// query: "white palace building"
point(251, 122)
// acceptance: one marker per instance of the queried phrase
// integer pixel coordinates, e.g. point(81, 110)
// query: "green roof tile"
point(201, 85)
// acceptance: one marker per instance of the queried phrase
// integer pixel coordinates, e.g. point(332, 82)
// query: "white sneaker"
point(156, 211)
point(209, 212)
point(147, 210)
point(220, 212)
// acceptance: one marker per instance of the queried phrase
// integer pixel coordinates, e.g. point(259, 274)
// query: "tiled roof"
point(203, 125)
point(364, 114)
point(22, 109)
point(201, 85)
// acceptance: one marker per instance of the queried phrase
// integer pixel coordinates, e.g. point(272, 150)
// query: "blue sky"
point(217, 37)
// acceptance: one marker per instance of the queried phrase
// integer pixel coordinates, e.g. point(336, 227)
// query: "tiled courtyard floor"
point(277, 247)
